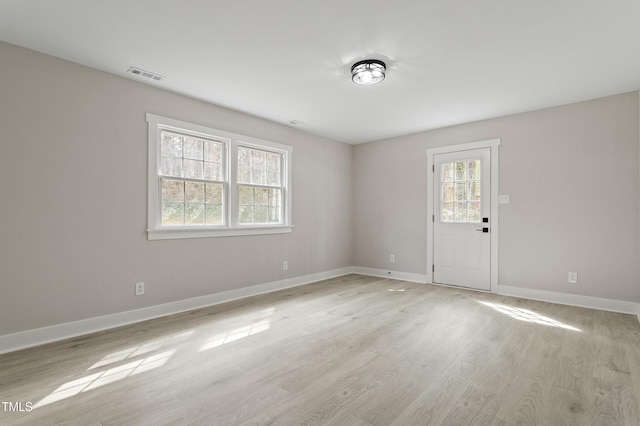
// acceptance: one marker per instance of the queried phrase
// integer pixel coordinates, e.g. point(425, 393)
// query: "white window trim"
point(155, 231)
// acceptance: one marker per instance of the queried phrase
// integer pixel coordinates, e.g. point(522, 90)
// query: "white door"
point(462, 218)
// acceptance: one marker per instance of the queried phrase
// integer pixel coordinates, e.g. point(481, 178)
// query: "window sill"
point(181, 233)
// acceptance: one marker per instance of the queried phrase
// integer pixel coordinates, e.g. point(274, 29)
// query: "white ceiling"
point(449, 61)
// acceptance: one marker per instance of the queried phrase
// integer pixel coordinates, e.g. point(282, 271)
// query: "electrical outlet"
point(573, 277)
point(392, 258)
point(139, 289)
point(285, 265)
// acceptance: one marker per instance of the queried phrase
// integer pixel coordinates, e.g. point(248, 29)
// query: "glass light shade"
point(368, 72)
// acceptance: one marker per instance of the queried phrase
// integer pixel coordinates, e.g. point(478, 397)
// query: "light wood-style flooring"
point(353, 350)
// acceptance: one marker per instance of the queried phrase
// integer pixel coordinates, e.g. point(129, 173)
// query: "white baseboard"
point(29, 338)
point(524, 293)
point(39, 336)
point(394, 275)
point(571, 299)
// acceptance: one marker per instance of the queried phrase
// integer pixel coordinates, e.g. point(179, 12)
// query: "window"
point(205, 182)
point(460, 192)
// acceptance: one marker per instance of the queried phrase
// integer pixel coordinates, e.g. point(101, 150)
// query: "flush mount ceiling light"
point(367, 72)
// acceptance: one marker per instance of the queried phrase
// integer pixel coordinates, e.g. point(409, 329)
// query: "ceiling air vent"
point(145, 74)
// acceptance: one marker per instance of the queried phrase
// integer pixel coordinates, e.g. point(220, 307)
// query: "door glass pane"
point(461, 191)
point(474, 170)
point(474, 191)
point(447, 212)
point(460, 194)
point(447, 192)
point(473, 208)
point(460, 212)
point(447, 172)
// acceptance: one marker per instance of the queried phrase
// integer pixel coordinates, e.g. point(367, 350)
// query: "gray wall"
point(73, 196)
point(73, 191)
point(571, 172)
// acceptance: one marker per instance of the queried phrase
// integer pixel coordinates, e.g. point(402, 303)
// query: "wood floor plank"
point(353, 350)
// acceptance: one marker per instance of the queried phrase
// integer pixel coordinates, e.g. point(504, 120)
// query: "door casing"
point(493, 144)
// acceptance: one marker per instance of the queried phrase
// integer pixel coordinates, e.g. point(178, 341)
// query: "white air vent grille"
point(145, 74)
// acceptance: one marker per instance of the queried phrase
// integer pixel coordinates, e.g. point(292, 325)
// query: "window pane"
point(171, 144)
point(273, 178)
point(261, 196)
point(212, 171)
point(192, 148)
point(258, 167)
point(213, 151)
point(275, 196)
point(273, 169)
point(461, 171)
point(274, 215)
point(172, 213)
point(172, 190)
point(213, 215)
point(260, 214)
point(244, 165)
point(171, 166)
point(213, 193)
point(258, 176)
point(246, 214)
point(194, 192)
point(192, 169)
point(245, 195)
point(273, 162)
point(244, 175)
point(194, 214)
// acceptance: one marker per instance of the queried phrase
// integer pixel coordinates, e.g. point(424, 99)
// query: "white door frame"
point(493, 144)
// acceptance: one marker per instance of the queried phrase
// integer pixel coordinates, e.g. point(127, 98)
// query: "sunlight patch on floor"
point(138, 350)
point(260, 324)
point(96, 380)
point(526, 315)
